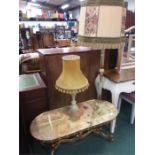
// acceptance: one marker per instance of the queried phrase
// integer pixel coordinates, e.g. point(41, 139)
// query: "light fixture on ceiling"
point(33, 4)
point(64, 6)
point(82, 0)
point(33, 0)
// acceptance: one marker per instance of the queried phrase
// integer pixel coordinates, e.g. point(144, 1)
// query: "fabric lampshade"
point(101, 25)
point(71, 80)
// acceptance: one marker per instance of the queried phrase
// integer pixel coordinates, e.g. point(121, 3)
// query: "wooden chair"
point(48, 39)
point(29, 63)
point(130, 98)
point(44, 40)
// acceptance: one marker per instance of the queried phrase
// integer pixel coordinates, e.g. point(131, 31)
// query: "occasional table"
point(116, 83)
point(60, 125)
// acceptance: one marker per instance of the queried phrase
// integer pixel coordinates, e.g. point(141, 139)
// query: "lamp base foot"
point(74, 108)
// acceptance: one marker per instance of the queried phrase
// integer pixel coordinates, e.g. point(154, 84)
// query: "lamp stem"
point(74, 106)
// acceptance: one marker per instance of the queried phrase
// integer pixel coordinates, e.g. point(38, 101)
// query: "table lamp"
point(71, 80)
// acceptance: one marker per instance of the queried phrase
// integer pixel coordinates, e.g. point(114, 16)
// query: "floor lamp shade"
point(102, 24)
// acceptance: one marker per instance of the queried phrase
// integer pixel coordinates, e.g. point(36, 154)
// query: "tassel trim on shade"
point(66, 91)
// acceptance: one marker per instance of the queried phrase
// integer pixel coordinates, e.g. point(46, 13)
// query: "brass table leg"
point(54, 147)
point(108, 136)
point(81, 135)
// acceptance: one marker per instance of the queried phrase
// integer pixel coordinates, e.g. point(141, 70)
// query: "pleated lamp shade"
point(71, 80)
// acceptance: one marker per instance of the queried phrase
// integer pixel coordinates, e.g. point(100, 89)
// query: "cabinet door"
point(24, 144)
point(31, 109)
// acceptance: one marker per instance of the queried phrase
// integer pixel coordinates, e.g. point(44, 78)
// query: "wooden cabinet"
point(43, 40)
point(24, 144)
point(51, 67)
point(32, 102)
point(32, 95)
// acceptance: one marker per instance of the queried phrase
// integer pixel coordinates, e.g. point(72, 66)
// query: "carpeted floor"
point(124, 140)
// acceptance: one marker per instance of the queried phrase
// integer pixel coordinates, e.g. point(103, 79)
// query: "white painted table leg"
point(98, 85)
point(132, 113)
point(97, 82)
point(112, 126)
point(115, 97)
point(119, 104)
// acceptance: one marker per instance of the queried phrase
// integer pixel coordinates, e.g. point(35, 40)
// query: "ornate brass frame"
point(98, 130)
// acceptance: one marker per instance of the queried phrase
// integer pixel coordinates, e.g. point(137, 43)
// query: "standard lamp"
point(71, 80)
point(101, 25)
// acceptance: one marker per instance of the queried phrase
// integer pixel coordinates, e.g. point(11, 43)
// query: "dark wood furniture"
point(110, 58)
point(130, 19)
point(32, 95)
point(29, 63)
point(24, 145)
point(32, 101)
point(43, 40)
point(46, 40)
point(63, 42)
point(51, 67)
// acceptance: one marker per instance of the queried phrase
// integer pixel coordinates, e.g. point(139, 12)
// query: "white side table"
point(115, 89)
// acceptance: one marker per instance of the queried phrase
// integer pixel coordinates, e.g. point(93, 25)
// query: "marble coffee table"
point(60, 125)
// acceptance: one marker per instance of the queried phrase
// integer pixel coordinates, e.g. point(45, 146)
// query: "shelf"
point(54, 29)
point(46, 20)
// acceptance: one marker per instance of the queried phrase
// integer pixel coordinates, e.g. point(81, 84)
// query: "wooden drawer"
point(33, 108)
point(32, 94)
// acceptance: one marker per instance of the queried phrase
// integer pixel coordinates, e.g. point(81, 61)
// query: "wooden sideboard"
point(51, 67)
point(32, 102)
point(32, 96)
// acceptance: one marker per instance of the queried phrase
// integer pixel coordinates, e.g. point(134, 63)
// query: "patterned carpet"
point(124, 140)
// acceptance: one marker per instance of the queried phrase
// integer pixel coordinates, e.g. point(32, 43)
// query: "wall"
point(76, 14)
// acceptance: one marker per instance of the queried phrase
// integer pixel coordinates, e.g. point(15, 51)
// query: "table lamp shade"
point(71, 80)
